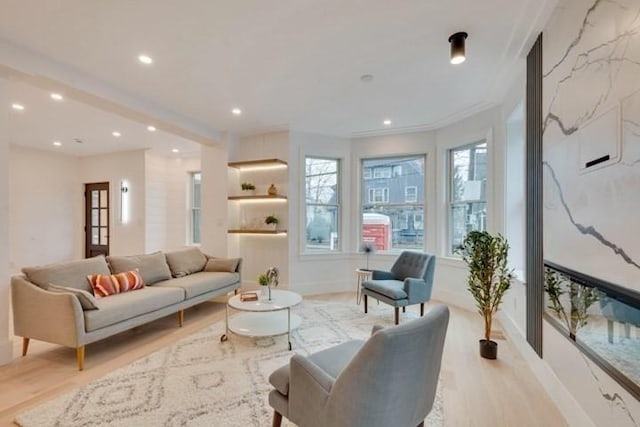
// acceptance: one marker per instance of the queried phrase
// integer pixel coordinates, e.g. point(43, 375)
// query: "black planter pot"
point(488, 349)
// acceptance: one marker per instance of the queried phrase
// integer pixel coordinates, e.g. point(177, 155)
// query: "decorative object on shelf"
point(272, 221)
point(368, 248)
point(272, 191)
point(248, 187)
point(267, 280)
point(489, 278)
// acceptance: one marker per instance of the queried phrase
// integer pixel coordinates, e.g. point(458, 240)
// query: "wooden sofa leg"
point(181, 318)
point(365, 304)
point(397, 315)
point(421, 309)
point(25, 346)
point(277, 419)
point(235, 291)
point(80, 357)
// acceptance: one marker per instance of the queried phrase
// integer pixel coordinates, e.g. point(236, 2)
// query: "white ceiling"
point(44, 121)
point(287, 63)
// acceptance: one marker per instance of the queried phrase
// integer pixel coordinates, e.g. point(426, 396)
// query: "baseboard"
point(317, 288)
point(570, 409)
point(464, 301)
point(310, 288)
point(6, 351)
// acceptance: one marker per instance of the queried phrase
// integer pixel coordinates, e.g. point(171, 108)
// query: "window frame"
point(384, 194)
point(193, 208)
point(406, 197)
point(450, 184)
point(337, 206)
point(362, 204)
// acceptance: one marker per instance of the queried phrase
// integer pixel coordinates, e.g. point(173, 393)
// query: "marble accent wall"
point(591, 86)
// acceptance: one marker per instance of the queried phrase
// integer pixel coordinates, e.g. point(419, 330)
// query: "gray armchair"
point(389, 380)
point(409, 282)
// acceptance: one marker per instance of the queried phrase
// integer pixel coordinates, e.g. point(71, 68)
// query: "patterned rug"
point(199, 381)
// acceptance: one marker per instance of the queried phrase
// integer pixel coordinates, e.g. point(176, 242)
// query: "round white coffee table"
point(263, 318)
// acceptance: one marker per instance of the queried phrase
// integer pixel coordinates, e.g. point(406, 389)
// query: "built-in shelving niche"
point(600, 318)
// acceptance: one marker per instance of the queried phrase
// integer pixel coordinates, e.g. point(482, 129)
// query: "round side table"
point(363, 275)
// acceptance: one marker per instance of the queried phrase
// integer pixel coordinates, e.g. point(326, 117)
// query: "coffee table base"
point(262, 324)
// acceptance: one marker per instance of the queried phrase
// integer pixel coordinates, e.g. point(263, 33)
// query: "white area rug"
point(199, 381)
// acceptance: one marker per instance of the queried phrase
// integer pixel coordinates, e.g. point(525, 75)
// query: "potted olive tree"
point(489, 278)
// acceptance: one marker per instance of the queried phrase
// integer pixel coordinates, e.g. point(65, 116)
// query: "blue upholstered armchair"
point(409, 282)
point(389, 380)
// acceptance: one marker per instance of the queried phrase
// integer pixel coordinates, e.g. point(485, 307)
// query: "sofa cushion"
point(228, 265)
point(120, 307)
point(105, 285)
point(152, 267)
point(201, 283)
point(72, 274)
point(87, 300)
point(393, 289)
point(186, 261)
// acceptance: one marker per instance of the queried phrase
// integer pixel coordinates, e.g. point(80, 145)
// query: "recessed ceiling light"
point(366, 78)
point(57, 143)
point(236, 111)
point(116, 133)
point(17, 107)
point(151, 128)
point(387, 122)
point(56, 97)
point(145, 59)
point(175, 150)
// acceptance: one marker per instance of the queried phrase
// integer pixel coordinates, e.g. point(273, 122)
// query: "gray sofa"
point(48, 300)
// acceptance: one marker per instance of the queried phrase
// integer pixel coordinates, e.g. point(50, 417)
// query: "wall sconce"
point(457, 42)
point(124, 202)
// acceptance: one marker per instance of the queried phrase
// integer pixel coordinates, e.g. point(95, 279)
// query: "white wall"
point(126, 238)
point(5, 344)
point(214, 199)
point(167, 195)
point(260, 252)
point(46, 208)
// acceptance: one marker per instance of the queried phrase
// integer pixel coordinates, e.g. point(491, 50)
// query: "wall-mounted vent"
point(599, 141)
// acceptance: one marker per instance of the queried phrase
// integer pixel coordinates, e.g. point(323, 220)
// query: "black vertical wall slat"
point(534, 254)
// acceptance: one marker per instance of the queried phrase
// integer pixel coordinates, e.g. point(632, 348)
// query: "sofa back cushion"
point(72, 274)
point(227, 265)
point(186, 261)
point(86, 298)
point(152, 267)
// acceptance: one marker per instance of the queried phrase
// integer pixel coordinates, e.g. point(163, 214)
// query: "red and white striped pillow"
point(104, 284)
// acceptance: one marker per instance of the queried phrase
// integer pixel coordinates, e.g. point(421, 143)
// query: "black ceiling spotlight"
point(457, 41)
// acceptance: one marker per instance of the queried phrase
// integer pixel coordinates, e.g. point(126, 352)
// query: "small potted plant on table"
point(489, 279)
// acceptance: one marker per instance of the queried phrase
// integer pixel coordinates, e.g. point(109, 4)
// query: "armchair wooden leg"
point(80, 357)
point(397, 315)
point(404, 308)
point(365, 304)
point(277, 419)
point(25, 346)
point(421, 309)
point(235, 292)
point(181, 318)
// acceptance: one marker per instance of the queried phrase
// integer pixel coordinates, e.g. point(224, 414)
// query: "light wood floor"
point(476, 392)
